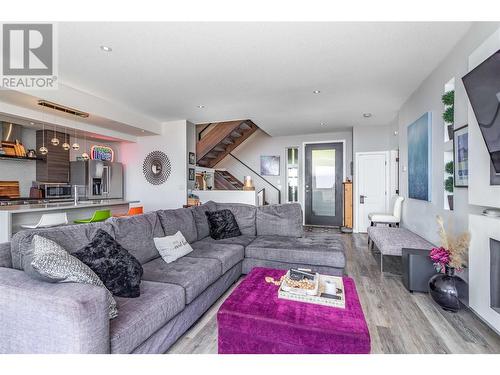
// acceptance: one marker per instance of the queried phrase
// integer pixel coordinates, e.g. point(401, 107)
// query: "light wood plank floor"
point(399, 322)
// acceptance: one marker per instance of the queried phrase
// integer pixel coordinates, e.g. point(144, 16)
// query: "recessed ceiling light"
point(316, 92)
point(106, 49)
point(201, 106)
point(367, 115)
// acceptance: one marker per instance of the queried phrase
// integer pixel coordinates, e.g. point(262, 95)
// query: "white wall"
point(419, 216)
point(21, 170)
point(261, 143)
point(171, 194)
point(374, 138)
point(191, 147)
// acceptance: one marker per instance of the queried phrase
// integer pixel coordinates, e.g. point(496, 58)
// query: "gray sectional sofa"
point(41, 317)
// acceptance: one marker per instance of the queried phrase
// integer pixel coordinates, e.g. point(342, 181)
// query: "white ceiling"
point(262, 71)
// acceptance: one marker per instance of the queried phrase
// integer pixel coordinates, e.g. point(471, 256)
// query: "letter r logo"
point(27, 49)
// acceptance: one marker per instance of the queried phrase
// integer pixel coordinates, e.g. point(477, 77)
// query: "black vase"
point(450, 132)
point(443, 289)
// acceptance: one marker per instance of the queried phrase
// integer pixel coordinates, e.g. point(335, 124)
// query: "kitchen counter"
point(19, 208)
point(12, 218)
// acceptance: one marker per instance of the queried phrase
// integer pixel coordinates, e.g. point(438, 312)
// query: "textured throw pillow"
point(52, 262)
point(222, 224)
point(115, 266)
point(172, 247)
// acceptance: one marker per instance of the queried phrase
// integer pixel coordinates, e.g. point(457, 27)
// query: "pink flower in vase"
point(440, 257)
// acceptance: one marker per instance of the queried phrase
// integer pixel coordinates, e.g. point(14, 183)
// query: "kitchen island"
point(13, 217)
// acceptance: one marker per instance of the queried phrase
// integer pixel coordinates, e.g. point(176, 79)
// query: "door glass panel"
point(292, 174)
point(323, 182)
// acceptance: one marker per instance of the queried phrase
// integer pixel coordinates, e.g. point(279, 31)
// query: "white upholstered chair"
point(49, 220)
point(392, 219)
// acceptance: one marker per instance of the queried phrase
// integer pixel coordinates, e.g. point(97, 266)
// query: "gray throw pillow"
point(53, 262)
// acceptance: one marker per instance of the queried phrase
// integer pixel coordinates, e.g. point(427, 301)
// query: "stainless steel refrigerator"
point(100, 179)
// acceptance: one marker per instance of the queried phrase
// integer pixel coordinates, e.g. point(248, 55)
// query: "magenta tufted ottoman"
point(254, 321)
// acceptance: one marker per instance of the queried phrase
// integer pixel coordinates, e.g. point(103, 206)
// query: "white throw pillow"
point(172, 247)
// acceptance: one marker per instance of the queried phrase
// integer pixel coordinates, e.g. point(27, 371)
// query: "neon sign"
point(103, 153)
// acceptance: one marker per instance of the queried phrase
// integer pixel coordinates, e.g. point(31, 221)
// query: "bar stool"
point(49, 220)
point(138, 210)
point(99, 215)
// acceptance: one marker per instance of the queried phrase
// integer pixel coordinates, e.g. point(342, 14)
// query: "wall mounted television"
point(483, 88)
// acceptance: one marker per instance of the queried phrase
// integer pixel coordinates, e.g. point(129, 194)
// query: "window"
point(292, 174)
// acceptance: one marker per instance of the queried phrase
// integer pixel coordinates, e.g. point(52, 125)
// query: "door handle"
point(362, 199)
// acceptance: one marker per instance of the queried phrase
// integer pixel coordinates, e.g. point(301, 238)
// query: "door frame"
point(356, 179)
point(302, 164)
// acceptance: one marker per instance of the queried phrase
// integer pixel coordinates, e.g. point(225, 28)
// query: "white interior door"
point(371, 186)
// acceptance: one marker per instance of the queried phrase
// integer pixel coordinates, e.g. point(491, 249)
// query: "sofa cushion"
point(243, 240)
point(200, 218)
point(70, 237)
point(244, 214)
point(320, 251)
point(180, 219)
point(222, 224)
point(193, 274)
point(5, 255)
point(227, 255)
point(280, 220)
point(140, 317)
point(136, 233)
point(116, 267)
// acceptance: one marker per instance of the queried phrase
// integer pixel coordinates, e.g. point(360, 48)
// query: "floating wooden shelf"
point(11, 157)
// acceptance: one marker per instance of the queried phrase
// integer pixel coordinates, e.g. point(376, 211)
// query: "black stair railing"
point(257, 174)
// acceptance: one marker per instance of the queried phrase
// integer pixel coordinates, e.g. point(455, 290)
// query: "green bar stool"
point(99, 215)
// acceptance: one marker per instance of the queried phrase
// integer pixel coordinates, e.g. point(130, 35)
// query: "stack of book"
point(319, 289)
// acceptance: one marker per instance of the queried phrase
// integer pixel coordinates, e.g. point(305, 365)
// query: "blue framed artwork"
point(461, 156)
point(419, 158)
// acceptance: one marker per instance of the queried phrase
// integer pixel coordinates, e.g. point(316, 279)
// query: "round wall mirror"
point(156, 167)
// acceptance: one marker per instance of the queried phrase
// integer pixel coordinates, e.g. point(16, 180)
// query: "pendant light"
point(75, 146)
point(66, 145)
point(55, 140)
point(43, 150)
point(85, 156)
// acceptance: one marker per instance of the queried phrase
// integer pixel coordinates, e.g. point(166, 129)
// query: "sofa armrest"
point(41, 317)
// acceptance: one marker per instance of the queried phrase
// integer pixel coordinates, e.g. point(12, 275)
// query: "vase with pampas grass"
point(445, 287)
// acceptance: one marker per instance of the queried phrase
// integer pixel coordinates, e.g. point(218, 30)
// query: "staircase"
point(223, 180)
point(220, 139)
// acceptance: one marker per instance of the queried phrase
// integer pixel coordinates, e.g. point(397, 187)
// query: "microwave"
point(55, 190)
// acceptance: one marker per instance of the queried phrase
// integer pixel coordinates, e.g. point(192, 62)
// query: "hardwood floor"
point(399, 322)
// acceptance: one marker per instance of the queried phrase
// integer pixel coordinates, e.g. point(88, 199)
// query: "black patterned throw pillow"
point(120, 271)
point(222, 224)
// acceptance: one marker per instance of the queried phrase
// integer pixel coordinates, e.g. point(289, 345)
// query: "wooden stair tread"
point(223, 138)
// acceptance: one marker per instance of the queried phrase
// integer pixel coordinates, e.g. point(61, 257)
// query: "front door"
point(371, 179)
point(323, 184)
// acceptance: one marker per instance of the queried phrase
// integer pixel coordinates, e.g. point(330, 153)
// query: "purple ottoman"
point(253, 320)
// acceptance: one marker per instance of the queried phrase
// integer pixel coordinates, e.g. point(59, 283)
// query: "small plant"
point(449, 115)
point(448, 97)
point(448, 184)
point(448, 167)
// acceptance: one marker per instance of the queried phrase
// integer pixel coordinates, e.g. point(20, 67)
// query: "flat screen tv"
point(483, 88)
